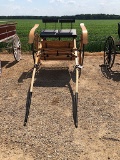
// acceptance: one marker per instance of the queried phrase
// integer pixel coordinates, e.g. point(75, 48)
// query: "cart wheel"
point(109, 52)
point(17, 48)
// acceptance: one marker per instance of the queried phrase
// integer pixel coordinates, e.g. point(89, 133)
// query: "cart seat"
point(71, 21)
point(67, 33)
point(48, 33)
point(58, 33)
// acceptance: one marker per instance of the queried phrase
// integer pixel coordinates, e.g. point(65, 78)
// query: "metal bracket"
point(36, 66)
point(79, 66)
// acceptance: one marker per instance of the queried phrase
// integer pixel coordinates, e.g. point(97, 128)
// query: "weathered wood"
point(7, 31)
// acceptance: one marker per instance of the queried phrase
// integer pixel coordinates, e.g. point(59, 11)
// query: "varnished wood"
point(84, 36)
point(32, 33)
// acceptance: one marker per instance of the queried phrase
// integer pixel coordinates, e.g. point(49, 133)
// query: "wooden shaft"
point(33, 74)
point(77, 72)
point(31, 33)
point(81, 48)
point(32, 81)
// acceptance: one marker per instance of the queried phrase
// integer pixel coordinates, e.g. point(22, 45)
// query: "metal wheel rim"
point(109, 52)
point(17, 48)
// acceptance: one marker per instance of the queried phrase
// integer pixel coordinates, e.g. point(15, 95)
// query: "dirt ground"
point(50, 133)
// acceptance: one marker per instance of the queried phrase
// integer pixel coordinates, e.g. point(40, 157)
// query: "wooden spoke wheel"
point(109, 52)
point(16, 48)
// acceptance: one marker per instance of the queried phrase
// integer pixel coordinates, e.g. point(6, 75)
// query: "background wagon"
point(111, 49)
point(9, 36)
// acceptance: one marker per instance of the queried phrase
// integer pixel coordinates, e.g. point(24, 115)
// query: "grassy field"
point(98, 31)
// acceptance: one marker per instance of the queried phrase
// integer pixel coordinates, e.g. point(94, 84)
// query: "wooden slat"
point(7, 30)
point(3, 30)
point(11, 33)
point(58, 50)
point(3, 36)
point(11, 28)
point(53, 57)
point(57, 44)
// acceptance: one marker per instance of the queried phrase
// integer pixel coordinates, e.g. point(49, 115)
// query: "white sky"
point(58, 7)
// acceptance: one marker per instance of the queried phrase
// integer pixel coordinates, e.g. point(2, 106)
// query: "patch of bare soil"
point(50, 133)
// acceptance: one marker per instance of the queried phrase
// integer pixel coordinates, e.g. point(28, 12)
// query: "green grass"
point(98, 31)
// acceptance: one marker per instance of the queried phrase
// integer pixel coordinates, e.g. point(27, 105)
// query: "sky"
point(58, 7)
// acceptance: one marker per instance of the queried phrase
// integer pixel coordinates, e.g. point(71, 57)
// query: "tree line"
point(77, 17)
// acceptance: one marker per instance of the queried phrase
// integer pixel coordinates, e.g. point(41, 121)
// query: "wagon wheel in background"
point(16, 48)
point(109, 52)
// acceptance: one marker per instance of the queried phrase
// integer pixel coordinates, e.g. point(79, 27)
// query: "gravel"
point(50, 133)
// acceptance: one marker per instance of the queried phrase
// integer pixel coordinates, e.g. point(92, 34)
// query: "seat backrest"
point(66, 21)
point(119, 29)
point(50, 20)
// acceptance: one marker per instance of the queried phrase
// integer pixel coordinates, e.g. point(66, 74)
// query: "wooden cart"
point(8, 35)
point(57, 45)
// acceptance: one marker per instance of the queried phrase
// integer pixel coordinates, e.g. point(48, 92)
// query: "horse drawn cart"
point(8, 35)
point(111, 49)
point(57, 44)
